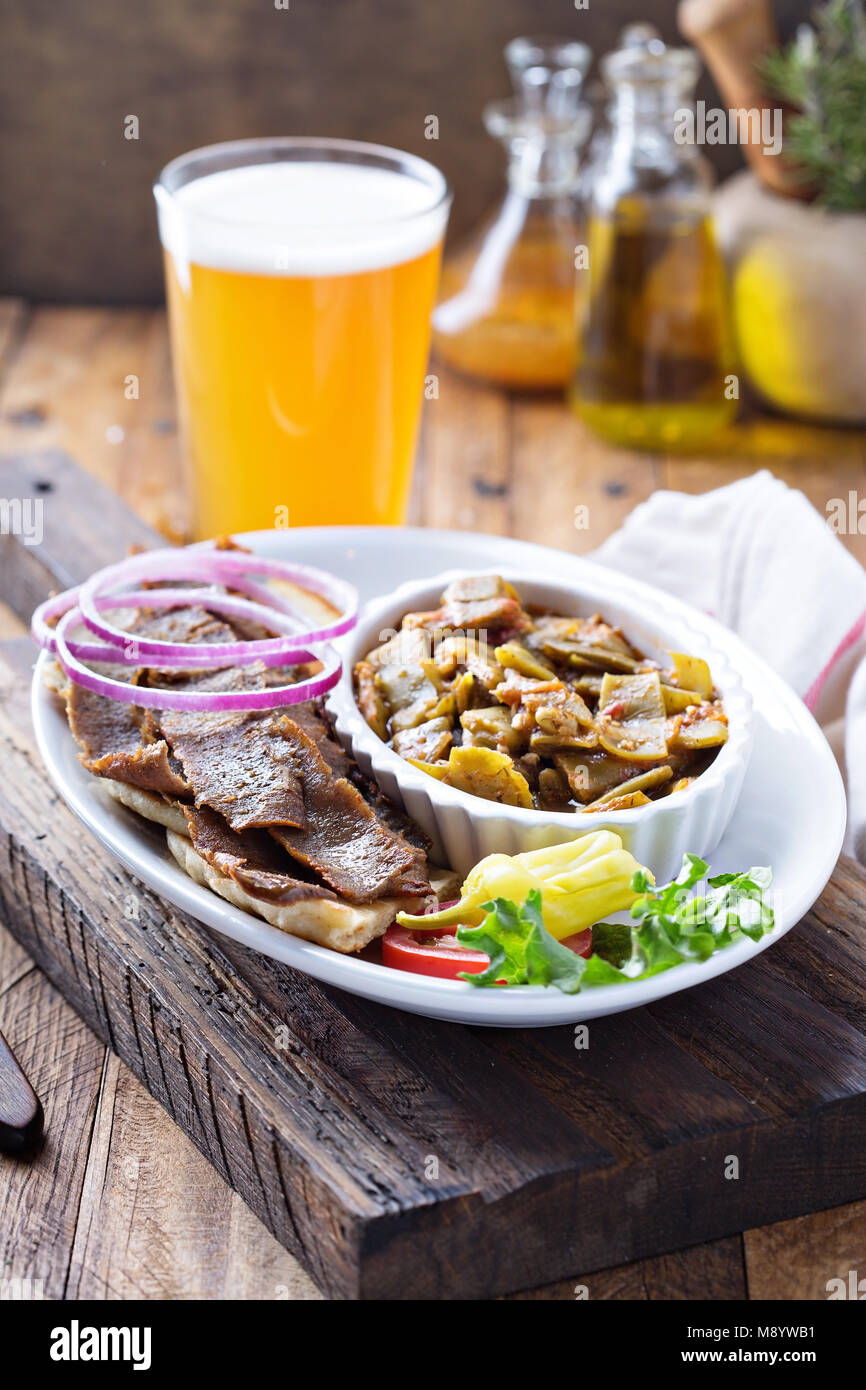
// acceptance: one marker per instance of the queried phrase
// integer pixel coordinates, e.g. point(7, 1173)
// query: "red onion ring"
point(218, 566)
point(275, 651)
point(206, 701)
point(296, 642)
point(53, 607)
point(58, 604)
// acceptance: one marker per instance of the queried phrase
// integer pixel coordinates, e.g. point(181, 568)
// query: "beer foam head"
point(303, 218)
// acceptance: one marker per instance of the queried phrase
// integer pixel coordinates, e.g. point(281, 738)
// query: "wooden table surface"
point(155, 1220)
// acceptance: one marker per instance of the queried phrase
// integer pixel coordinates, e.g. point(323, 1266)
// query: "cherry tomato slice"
point(440, 954)
point(580, 943)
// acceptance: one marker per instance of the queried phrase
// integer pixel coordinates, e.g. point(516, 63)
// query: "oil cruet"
point(507, 303)
point(654, 345)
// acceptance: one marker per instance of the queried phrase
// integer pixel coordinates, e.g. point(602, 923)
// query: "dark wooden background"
point(75, 195)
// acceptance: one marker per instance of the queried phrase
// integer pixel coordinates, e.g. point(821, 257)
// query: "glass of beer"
point(301, 276)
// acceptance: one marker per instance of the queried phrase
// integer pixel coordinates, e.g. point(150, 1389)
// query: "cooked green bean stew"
point(532, 709)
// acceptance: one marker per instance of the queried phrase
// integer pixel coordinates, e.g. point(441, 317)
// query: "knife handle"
point(21, 1115)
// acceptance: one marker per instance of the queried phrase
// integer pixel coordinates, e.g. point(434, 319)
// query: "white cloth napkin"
point(759, 557)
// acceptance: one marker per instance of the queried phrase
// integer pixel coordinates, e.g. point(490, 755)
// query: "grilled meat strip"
point(121, 741)
point(396, 820)
point(292, 777)
point(113, 743)
point(252, 859)
point(249, 773)
point(315, 721)
point(239, 766)
point(345, 842)
point(232, 761)
point(192, 625)
point(310, 718)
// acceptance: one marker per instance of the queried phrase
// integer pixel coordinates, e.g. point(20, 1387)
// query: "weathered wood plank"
point(14, 316)
point(465, 470)
point(155, 1221)
point(784, 1045)
point(607, 1081)
point(571, 490)
point(20, 1108)
point(711, 1272)
point(40, 1198)
point(97, 384)
point(83, 525)
point(10, 624)
point(798, 1259)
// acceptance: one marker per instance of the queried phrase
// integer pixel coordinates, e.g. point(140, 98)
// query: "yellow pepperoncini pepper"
point(580, 882)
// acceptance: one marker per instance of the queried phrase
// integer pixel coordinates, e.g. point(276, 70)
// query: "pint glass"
point(300, 278)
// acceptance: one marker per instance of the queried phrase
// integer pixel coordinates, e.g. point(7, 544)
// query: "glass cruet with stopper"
point(506, 312)
point(654, 344)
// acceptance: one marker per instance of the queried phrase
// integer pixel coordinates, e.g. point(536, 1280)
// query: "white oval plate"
point(791, 812)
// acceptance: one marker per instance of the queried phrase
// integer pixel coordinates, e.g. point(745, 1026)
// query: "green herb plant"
point(822, 73)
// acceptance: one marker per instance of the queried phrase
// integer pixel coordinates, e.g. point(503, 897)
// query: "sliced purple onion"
point(297, 642)
point(264, 613)
point(277, 651)
point(219, 566)
point(205, 701)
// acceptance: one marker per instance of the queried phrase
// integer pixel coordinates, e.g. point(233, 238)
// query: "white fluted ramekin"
point(465, 828)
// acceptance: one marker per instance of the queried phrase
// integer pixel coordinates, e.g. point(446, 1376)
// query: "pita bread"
point(341, 926)
point(150, 805)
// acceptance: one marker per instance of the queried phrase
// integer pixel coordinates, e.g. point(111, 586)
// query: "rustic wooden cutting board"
point(398, 1157)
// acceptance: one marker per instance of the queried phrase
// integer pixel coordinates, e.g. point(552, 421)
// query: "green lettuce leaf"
point(672, 925)
point(612, 942)
point(521, 949)
point(675, 925)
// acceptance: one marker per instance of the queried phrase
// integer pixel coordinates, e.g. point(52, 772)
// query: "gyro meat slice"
point(120, 741)
point(109, 735)
point(233, 762)
point(311, 718)
point(193, 625)
point(239, 766)
point(252, 859)
point(344, 841)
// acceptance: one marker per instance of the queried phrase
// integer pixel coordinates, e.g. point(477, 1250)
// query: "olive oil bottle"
point(655, 361)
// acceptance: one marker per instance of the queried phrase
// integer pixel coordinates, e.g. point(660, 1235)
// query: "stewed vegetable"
point(535, 709)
